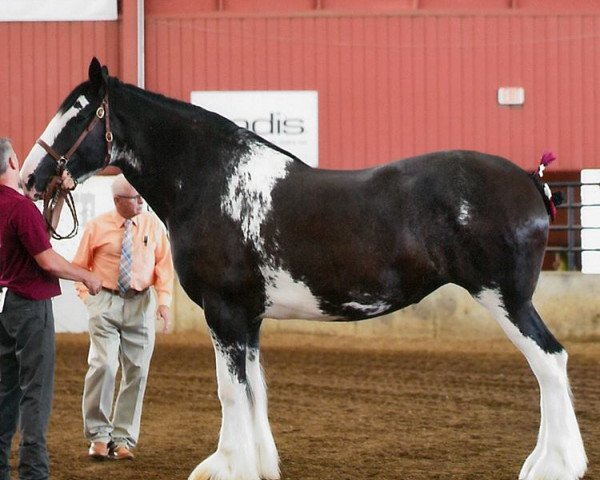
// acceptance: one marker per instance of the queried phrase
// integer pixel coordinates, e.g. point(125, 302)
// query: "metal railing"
point(565, 231)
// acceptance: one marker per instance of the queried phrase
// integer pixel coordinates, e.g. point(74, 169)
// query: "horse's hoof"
point(217, 467)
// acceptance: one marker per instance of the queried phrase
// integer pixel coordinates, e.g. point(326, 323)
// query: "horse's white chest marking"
point(247, 199)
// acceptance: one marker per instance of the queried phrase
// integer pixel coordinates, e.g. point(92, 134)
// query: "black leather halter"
point(54, 195)
point(101, 113)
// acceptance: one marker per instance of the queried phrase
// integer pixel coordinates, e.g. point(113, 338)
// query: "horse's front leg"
point(235, 457)
point(266, 451)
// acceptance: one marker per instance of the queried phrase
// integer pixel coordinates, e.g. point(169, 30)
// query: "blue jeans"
point(26, 383)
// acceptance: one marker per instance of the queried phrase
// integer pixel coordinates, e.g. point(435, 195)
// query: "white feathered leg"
point(235, 458)
point(266, 451)
point(559, 453)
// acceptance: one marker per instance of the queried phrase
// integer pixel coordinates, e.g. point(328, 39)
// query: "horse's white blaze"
point(248, 196)
point(49, 135)
point(289, 298)
point(559, 453)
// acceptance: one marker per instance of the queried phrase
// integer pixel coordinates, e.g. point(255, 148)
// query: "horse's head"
point(77, 141)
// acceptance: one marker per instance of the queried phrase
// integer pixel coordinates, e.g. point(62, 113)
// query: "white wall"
point(92, 198)
point(568, 302)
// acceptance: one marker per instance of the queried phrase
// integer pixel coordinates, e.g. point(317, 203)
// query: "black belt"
point(129, 293)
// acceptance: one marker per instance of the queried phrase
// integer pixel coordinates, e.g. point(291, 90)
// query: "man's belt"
point(129, 293)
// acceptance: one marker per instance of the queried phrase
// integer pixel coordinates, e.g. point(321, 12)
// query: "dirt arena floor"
point(340, 408)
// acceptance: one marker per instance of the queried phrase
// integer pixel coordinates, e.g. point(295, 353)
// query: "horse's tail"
point(551, 200)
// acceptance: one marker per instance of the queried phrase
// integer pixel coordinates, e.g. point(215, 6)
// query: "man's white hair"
point(6, 151)
point(121, 186)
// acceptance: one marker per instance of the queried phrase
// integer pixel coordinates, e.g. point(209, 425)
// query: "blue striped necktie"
point(124, 281)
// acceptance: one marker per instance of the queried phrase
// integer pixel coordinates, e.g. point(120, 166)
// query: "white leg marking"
point(559, 453)
point(235, 458)
point(266, 451)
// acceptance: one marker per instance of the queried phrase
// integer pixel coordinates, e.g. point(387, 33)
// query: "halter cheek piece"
point(54, 196)
point(61, 160)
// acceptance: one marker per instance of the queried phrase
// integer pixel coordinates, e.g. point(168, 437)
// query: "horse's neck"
point(161, 172)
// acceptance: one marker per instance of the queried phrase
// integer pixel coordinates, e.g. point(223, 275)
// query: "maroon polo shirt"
point(23, 235)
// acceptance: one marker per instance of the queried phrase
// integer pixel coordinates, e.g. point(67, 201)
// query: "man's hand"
point(67, 181)
point(164, 313)
point(93, 283)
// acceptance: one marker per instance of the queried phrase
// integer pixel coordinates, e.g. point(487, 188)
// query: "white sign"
point(511, 96)
point(287, 118)
point(57, 10)
point(590, 217)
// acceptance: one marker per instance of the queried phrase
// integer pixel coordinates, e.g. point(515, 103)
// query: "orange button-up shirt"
point(100, 252)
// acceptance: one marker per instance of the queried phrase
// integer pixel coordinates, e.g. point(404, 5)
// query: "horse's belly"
point(290, 298)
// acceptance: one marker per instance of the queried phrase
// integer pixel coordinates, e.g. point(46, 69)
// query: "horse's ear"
point(105, 74)
point(95, 73)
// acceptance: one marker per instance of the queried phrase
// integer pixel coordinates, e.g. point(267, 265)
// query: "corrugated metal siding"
point(396, 85)
point(41, 62)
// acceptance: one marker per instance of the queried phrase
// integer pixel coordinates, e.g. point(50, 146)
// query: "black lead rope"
point(53, 202)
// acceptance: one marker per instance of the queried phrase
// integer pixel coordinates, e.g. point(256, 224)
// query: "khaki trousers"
point(122, 334)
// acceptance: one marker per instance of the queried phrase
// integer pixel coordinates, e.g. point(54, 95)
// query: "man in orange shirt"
point(130, 251)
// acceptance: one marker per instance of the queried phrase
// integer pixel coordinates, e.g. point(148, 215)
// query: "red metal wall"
point(40, 63)
point(411, 77)
point(395, 77)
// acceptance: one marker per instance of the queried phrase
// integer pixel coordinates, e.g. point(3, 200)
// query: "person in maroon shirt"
point(29, 273)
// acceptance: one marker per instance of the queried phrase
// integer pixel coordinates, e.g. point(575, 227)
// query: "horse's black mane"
point(194, 113)
point(185, 109)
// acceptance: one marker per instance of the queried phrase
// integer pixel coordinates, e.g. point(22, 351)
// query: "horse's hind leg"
point(559, 453)
point(266, 451)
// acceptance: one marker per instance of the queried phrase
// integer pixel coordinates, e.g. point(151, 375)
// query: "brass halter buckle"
point(101, 113)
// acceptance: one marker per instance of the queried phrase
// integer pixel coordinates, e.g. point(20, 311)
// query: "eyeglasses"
point(137, 198)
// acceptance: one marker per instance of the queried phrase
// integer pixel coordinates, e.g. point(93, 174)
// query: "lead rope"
point(54, 199)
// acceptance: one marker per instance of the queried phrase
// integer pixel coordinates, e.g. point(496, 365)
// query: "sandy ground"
point(340, 408)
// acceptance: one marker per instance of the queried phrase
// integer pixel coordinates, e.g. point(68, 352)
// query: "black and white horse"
point(257, 233)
